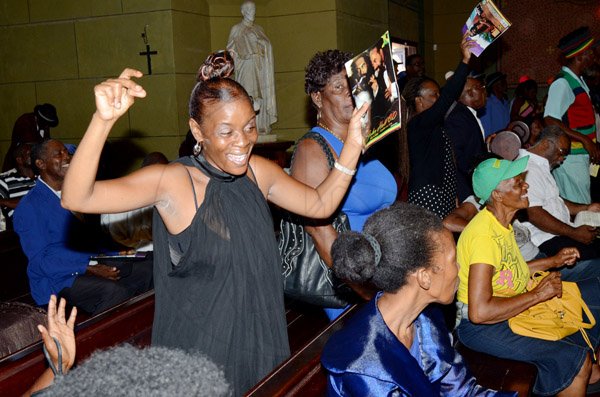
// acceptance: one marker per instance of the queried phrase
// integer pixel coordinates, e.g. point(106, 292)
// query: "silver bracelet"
point(343, 169)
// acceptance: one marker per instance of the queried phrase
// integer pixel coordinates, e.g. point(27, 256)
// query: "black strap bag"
point(306, 277)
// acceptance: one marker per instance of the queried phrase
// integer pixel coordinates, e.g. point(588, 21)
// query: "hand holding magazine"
point(372, 79)
point(485, 24)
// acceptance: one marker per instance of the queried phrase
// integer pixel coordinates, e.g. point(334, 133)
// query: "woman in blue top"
point(373, 187)
point(398, 344)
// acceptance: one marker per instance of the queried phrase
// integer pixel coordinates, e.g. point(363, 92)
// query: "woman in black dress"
point(217, 269)
point(432, 180)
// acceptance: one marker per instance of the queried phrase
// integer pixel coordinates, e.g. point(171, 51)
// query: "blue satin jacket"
point(366, 359)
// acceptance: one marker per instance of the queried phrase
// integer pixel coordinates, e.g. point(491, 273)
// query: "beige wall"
point(448, 18)
point(296, 29)
point(57, 50)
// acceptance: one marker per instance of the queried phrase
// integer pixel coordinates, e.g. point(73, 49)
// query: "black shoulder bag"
point(306, 277)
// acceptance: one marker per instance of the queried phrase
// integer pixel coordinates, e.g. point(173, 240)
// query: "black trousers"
point(95, 294)
point(555, 244)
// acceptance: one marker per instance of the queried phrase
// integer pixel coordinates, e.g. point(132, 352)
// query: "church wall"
point(360, 23)
point(296, 29)
point(449, 16)
point(57, 50)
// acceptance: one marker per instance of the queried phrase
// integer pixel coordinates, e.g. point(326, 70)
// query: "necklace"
point(331, 132)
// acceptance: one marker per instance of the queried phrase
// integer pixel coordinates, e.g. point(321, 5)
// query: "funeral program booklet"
point(485, 24)
point(372, 79)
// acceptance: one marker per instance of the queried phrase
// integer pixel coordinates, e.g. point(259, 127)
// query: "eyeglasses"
point(562, 151)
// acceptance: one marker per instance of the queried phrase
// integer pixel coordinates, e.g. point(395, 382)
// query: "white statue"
point(253, 58)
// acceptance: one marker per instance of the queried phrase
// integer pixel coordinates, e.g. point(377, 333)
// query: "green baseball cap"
point(491, 172)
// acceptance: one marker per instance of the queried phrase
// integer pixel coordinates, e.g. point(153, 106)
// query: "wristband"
point(343, 169)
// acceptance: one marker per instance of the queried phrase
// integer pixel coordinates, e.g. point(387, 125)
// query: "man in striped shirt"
point(15, 183)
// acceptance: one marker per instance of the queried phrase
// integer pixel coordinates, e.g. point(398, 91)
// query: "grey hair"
point(550, 133)
point(155, 371)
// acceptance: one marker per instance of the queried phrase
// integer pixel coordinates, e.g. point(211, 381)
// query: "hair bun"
point(218, 64)
point(353, 257)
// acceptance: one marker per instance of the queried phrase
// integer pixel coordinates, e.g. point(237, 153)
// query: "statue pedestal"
point(263, 138)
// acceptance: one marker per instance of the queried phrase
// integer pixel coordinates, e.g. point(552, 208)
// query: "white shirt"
point(478, 121)
point(560, 95)
point(543, 192)
point(57, 192)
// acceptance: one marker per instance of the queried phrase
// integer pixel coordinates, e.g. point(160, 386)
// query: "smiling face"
point(514, 192)
point(227, 134)
point(444, 268)
point(54, 163)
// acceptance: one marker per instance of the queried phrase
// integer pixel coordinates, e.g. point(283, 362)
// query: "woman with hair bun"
point(218, 287)
point(398, 344)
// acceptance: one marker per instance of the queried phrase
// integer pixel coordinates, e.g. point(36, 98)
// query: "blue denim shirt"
point(366, 359)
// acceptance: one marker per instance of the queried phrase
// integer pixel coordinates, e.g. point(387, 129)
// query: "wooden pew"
point(13, 269)
point(129, 322)
point(300, 375)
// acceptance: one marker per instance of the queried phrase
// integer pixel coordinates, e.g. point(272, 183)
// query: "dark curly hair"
point(412, 90)
point(321, 67)
point(404, 233)
point(214, 85)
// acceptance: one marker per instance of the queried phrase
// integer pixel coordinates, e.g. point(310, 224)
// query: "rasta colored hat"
point(524, 78)
point(491, 172)
point(576, 42)
point(47, 112)
point(493, 78)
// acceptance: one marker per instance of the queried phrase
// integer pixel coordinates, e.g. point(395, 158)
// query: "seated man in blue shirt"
point(48, 234)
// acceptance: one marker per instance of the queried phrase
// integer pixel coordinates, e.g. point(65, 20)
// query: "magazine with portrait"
point(372, 79)
point(485, 25)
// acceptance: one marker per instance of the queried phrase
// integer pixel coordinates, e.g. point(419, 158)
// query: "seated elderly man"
point(48, 235)
point(549, 214)
point(15, 183)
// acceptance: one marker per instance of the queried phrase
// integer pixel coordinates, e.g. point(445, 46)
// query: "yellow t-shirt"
point(485, 240)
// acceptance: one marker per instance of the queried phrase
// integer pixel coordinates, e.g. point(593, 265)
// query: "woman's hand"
point(356, 132)
point(465, 47)
point(549, 287)
point(566, 257)
point(115, 96)
point(61, 329)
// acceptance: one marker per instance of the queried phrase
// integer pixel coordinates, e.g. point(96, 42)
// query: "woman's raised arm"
point(80, 190)
point(322, 201)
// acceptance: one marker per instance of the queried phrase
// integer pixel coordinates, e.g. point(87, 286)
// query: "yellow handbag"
point(555, 318)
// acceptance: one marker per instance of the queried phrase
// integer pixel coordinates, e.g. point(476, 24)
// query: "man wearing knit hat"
point(569, 107)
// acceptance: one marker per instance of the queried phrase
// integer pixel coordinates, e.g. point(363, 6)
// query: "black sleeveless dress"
point(225, 296)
